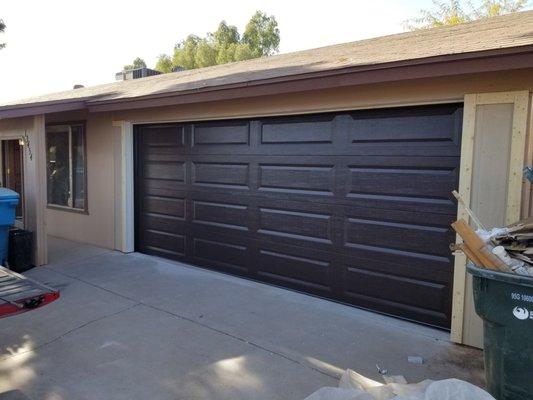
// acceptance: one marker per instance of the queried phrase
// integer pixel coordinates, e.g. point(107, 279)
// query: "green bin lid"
point(8, 194)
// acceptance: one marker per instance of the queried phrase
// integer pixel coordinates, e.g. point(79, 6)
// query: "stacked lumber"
point(517, 240)
point(507, 249)
point(476, 249)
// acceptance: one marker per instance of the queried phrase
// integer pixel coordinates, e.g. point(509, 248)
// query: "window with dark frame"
point(66, 166)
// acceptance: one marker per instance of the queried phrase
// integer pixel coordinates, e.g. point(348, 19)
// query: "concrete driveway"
point(138, 327)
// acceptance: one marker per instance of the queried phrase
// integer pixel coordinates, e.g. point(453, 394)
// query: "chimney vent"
point(135, 74)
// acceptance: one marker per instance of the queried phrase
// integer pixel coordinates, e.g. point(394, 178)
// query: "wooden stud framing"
point(528, 187)
point(465, 182)
point(520, 101)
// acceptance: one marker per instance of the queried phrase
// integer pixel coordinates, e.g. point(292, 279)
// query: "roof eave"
point(47, 107)
point(490, 61)
point(449, 65)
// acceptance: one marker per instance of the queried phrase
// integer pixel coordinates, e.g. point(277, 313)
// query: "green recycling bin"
point(505, 303)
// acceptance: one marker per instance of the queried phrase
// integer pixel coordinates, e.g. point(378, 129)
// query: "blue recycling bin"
point(8, 204)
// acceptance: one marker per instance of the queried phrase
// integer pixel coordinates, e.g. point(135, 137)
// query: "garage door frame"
point(124, 235)
point(388, 147)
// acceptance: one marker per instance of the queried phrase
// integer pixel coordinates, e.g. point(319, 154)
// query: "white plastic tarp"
point(354, 386)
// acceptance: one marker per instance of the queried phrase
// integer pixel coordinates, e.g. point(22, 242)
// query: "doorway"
point(13, 174)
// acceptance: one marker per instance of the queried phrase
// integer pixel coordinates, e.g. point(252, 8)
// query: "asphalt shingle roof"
point(508, 31)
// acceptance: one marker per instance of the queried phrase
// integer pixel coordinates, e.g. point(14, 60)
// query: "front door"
point(12, 175)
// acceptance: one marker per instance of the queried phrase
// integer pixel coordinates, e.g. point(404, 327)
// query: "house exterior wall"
point(107, 149)
point(32, 129)
point(97, 226)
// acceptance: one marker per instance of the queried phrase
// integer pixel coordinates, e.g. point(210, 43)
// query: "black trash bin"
point(505, 303)
point(20, 252)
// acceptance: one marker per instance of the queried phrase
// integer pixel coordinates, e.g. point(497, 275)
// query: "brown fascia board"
point(492, 61)
point(448, 65)
point(30, 109)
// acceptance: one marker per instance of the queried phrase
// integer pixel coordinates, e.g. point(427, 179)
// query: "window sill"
point(67, 209)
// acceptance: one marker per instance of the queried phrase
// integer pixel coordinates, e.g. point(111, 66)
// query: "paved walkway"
point(138, 327)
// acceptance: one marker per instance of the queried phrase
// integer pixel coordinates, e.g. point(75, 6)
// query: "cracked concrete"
point(138, 327)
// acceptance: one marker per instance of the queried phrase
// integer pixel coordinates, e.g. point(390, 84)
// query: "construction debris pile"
point(507, 249)
point(354, 386)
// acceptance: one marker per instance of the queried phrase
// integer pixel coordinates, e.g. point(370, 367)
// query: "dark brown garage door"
point(354, 206)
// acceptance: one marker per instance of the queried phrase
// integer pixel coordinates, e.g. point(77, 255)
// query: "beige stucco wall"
point(97, 226)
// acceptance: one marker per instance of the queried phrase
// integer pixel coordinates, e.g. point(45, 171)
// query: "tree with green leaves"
point(164, 64)
point(260, 39)
point(185, 53)
point(2, 28)
point(262, 35)
point(137, 63)
point(493, 8)
point(453, 12)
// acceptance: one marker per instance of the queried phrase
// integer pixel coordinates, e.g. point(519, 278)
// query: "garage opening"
point(353, 206)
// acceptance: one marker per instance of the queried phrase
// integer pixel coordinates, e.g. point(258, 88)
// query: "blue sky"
point(54, 44)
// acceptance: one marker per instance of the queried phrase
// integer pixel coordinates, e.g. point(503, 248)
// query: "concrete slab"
point(78, 305)
point(160, 329)
point(143, 354)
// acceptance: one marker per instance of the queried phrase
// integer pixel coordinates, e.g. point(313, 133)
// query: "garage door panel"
point(422, 239)
point(231, 216)
point(423, 125)
point(426, 162)
point(166, 241)
point(395, 215)
point(164, 188)
point(288, 224)
point(355, 206)
point(395, 288)
point(430, 272)
point(402, 258)
point(222, 175)
point(164, 223)
point(298, 179)
point(214, 195)
point(422, 205)
point(222, 253)
point(295, 270)
point(228, 133)
point(410, 312)
point(163, 154)
point(168, 206)
point(361, 149)
point(298, 130)
point(371, 202)
point(168, 170)
point(302, 268)
point(417, 183)
point(344, 148)
point(163, 136)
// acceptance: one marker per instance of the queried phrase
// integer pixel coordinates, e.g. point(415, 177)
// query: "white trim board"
point(124, 199)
